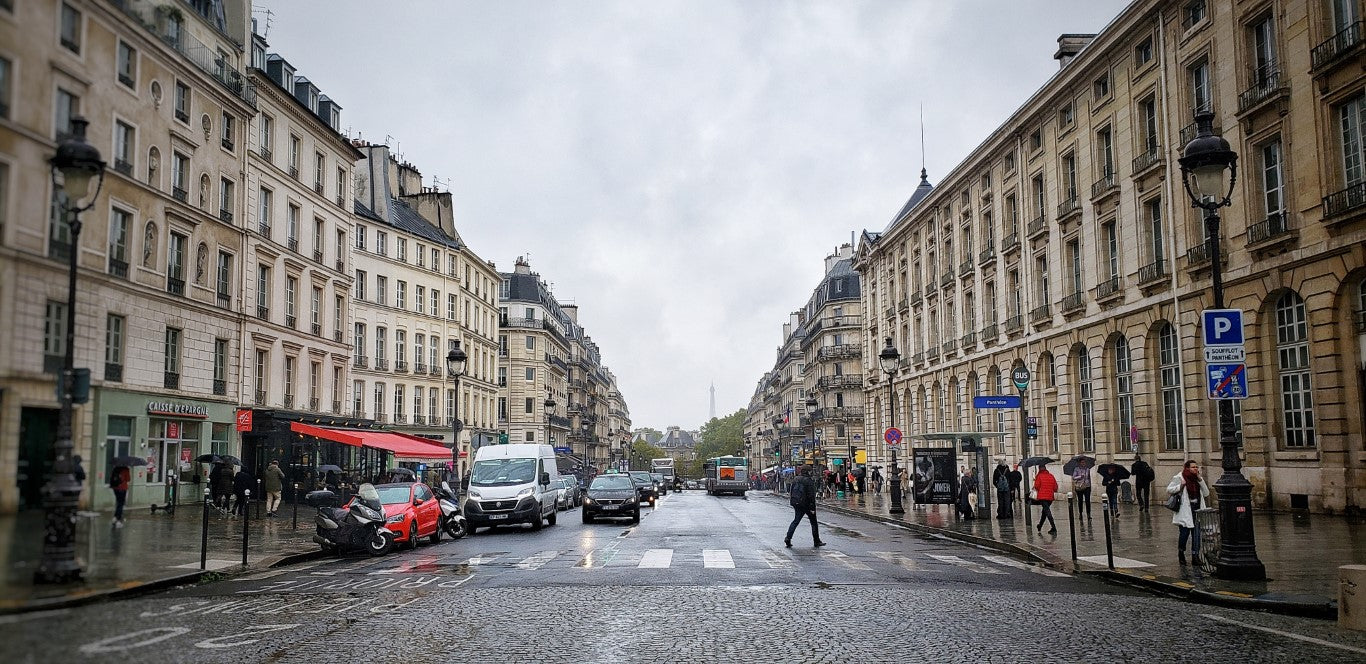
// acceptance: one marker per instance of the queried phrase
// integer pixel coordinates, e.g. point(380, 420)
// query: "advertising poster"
point(932, 475)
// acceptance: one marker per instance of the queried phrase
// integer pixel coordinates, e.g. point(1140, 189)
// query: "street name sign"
point(1225, 354)
point(1002, 401)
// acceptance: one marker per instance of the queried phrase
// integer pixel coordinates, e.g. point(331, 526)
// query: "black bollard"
point(204, 534)
point(1072, 526)
point(260, 498)
point(246, 534)
point(296, 505)
point(1109, 548)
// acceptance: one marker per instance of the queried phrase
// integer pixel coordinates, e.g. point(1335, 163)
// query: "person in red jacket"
point(1045, 486)
point(118, 481)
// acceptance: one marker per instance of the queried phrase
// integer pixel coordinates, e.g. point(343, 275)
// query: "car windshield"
point(641, 477)
point(658, 477)
point(393, 495)
point(612, 483)
point(503, 472)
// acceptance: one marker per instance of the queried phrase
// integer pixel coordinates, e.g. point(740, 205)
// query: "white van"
point(512, 484)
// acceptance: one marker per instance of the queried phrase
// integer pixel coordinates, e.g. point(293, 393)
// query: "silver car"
point(567, 496)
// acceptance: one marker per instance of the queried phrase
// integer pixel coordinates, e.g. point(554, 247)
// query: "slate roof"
point(920, 192)
point(404, 217)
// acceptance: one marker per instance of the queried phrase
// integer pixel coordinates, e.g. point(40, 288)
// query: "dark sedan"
point(646, 489)
point(611, 496)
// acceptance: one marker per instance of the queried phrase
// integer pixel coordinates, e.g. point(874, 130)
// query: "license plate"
point(498, 516)
point(610, 507)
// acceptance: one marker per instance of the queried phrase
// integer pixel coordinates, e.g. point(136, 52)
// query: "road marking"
point(657, 558)
point(1009, 562)
point(775, 560)
point(967, 564)
point(1291, 635)
point(719, 558)
point(844, 560)
point(895, 559)
point(484, 558)
point(599, 557)
point(1127, 563)
point(537, 561)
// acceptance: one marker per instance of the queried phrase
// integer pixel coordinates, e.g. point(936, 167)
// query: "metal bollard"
point(261, 498)
point(1072, 526)
point(246, 534)
point(204, 534)
point(296, 505)
point(1109, 548)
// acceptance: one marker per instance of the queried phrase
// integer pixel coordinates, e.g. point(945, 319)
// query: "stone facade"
point(1012, 260)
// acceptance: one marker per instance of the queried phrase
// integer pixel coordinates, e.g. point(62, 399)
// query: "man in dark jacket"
point(1000, 479)
point(1143, 481)
point(803, 501)
point(242, 482)
point(1016, 479)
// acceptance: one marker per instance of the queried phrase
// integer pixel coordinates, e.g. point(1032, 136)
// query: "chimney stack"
point(1069, 45)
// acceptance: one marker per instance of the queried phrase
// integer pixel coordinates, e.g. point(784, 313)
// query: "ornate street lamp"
point(811, 405)
point(890, 360)
point(1208, 170)
point(549, 410)
point(778, 444)
point(77, 163)
point(455, 366)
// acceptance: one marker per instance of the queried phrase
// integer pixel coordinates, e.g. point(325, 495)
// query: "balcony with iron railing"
point(171, 380)
point(1036, 227)
point(113, 372)
point(1340, 203)
point(932, 354)
point(263, 229)
point(949, 346)
point(1041, 314)
point(400, 366)
point(840, 381)
point(1108, 288)
point(220, 386)
point(262, 312)
point(1334, 48)
point(293, 244)
point(289, 400)
point(965, 269)
point(1154, 272)
point(1068, 207)
point(946, 279)
point(915, 299)
point(1147, 159)
point(381, 364)
point(260, 398)
point(990, 332)
point(118, 268)
point(1188, 132)
point(1012, 241)
point(1199, 255)
point(1274, 228)
point(837, 414)
point(837, 352)
point(1106, 185)
point(560, 422)
point(969, 341)
point(988, 255)
point(524, 323)
point(175, 286)
point(124, 167)
point(400, 418)
point(918, 358)
point(420, 367)
point(180, 194)
point(1074, 303)
point(1014, 324)
point(1266, 84)
point(359, 362)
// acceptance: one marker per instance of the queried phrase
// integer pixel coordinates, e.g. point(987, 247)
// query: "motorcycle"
point(356, 527)
point(452, 521)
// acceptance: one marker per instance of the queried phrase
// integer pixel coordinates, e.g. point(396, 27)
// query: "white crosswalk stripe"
point(776, 560)
point(717, 558)
point(1009, 562)
point(538, 561)
point(657, 558)
point(844, 560)
point(896, 559)
point(967, 564)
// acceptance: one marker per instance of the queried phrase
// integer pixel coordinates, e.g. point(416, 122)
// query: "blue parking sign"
point(1223, 327)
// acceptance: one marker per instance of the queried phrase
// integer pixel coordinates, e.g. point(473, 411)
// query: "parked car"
point(411, 511)
point(569, 496)
point(646, 490)
point(613, 496)
point(690, 484)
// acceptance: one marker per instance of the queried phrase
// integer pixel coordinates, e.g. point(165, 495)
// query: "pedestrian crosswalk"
point(614, 556)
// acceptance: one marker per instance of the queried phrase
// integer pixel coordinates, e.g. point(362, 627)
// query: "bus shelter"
point(969, 442)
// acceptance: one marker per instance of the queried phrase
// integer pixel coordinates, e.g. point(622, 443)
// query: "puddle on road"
point(842, 531)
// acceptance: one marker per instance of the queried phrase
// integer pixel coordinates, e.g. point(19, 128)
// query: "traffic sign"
point(1003, 401)
point(892, 436)
point(1227, 381)
point(564, 450)
point(1020, 376)
point(1223, 327)
point(1225, 354)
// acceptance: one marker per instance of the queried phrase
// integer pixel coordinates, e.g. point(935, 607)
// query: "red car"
point(411, 511)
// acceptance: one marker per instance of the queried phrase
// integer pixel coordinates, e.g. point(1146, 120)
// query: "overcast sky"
point(677, 169)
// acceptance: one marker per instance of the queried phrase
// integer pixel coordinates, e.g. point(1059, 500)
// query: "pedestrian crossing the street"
point(612, 556)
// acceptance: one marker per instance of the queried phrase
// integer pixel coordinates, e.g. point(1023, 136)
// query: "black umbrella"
point(401, 472)
point(1121, 472)
point(129, 461)
point(1037, 461)
point(327, 467)
point(218, 458)
point(1072, 463)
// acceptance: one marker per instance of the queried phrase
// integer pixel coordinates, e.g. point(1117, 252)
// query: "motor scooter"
point(358, 526)
point(452, 520)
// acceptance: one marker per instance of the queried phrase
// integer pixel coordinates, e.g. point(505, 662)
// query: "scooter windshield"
point(368, 495)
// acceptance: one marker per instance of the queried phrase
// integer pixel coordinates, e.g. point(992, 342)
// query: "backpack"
point(798, 498)
point(1003, 482)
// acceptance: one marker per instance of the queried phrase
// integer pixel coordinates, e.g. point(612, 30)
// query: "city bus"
point(726, 474)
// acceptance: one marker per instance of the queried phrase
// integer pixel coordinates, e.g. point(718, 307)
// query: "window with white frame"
point(1273, 182)
point(1292, 362)
point(1124, 387)
point(1169, 370)
point(1088, 428)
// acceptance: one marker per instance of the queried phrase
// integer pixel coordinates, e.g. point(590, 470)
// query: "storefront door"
point(37, 432)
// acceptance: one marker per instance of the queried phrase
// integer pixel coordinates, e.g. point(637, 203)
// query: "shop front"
point(165, 436)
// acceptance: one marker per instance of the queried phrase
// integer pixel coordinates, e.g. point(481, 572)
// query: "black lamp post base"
point(1237, 542)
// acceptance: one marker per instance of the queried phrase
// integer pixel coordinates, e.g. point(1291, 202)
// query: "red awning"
point(404, 446)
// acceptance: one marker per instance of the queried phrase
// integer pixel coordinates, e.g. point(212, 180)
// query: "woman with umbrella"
point(1080, 470)
point(1111, 475)
point(119, 477)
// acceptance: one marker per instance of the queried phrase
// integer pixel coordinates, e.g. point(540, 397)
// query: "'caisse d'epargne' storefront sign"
point(177, 409)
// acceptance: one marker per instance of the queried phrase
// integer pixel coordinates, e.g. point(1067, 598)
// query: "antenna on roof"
point(269, 16)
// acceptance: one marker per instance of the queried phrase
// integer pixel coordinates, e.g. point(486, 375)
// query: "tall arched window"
point(1169, 370)
point(955, 388)
point(1088, 418)
point(1292, 358)
point(1124, 390)
point(975, 384)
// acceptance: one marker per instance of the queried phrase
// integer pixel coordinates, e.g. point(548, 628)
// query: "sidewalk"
point(1301, 552)
point(151, 551)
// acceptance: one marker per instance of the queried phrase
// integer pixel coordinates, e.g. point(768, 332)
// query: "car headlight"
point(631, 500)
point(394, 519)
point(524, 492)
point(587, 501)
point(472, 493)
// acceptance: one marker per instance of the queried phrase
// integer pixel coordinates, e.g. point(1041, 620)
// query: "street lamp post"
point(549, 407)
point(1208, 170)
point(890, 359)
point(78, 163)
point(778, 444)
point(455, 366)
point(811, 405)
